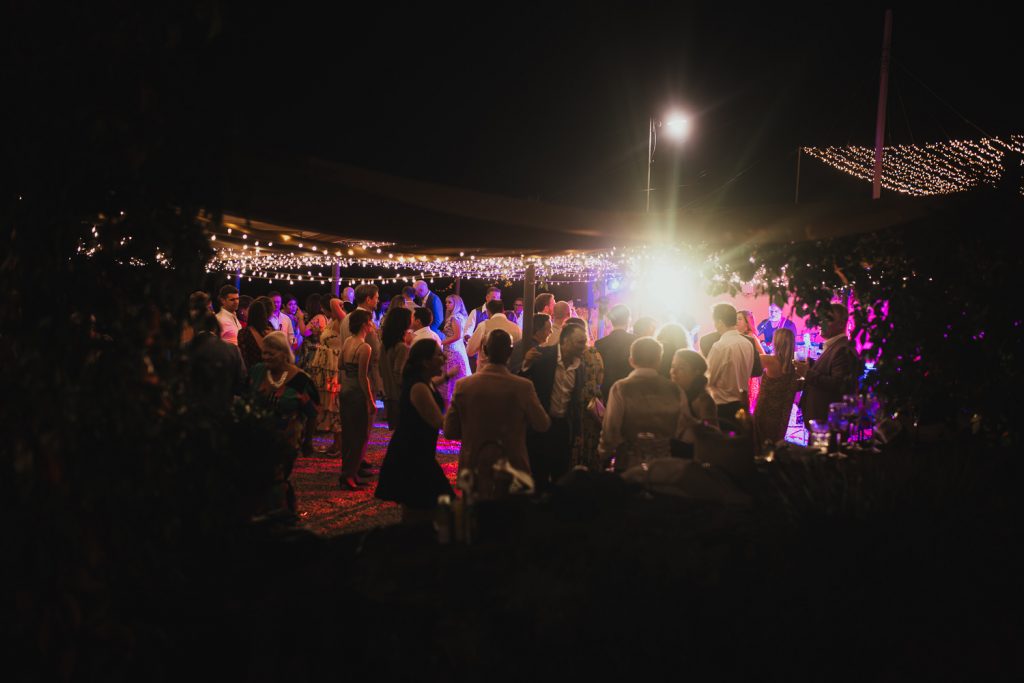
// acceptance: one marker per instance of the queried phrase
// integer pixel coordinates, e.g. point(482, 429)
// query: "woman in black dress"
point(410, 474)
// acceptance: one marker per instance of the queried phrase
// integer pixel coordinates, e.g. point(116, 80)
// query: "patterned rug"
point(326, 509)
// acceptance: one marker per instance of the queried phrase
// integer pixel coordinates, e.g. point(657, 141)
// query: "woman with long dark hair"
point(410, 474)
point(394, 351)
point(356, 399)
point(250, 337)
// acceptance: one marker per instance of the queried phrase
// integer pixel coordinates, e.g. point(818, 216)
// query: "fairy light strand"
point(926, 170)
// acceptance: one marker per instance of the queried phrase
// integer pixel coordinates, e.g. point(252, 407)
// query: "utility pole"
point(883, 96)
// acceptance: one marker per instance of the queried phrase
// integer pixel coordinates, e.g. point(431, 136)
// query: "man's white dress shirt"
point(729, 364)
point(229, 326)
point(479, 338)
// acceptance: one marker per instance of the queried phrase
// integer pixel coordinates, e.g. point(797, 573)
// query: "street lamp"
point(677, 127)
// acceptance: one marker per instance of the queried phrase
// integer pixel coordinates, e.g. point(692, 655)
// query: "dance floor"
point(326, 509)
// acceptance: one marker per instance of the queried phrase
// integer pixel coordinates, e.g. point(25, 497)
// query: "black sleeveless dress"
point(410, 474)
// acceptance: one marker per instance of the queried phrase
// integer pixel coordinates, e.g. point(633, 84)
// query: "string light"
point(925, 170)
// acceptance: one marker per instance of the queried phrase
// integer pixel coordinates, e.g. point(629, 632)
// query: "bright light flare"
point(665, 289)
point(677, 127)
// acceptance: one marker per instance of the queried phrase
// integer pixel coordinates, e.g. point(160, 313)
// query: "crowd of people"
point(526, 409)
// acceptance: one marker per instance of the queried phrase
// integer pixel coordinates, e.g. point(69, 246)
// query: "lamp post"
point(678, 128)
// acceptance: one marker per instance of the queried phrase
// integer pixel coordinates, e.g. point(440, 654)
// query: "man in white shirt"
point(517, 312)
point(421, 319)
point(229, 323)
point(560, 312)
point(496, 320)
point(479, 314)
point(279, 321)
point(730, 361)
point(557, 375)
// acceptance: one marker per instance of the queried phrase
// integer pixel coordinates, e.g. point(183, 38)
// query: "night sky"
point(552, 104)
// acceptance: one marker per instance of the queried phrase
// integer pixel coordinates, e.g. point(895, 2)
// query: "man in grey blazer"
point(489, 412)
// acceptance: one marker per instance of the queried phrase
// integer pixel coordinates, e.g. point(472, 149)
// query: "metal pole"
point(458, 285)
point(238, 280)
point(337, 280)
point(883, 91)
point(529, 294)
point(650, 161)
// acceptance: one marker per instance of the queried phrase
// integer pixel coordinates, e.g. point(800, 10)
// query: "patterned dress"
point(774, 407)
point(293, 405)
point(584, 450)
point(308, 348)
point(454, 357)
point(323, 368)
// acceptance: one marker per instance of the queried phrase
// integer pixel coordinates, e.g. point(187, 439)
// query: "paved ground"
point(326, 509)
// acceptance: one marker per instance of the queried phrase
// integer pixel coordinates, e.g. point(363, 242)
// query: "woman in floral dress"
point(584, 450)
point(323, 368)
point(456, 362)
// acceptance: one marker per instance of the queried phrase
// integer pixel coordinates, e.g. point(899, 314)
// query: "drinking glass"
point(838, 419)
point(817, 438)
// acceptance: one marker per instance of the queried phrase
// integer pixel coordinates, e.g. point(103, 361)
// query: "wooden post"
point(336, 281)
point(602, 309)
point(883, 93)
point(529, 294)
point(458, 285)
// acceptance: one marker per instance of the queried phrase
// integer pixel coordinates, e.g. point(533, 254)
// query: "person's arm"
point(453, 419)
point(611, 429)
point(686, 418)
point(758, 346)
point(300, 318)
point(363, 356)
point(338, 308)
point(423, 401)
point(476, 340)
point(705, 410)
point(456, 333)
point(536, 416)
point(531, 355)
point(841, 373)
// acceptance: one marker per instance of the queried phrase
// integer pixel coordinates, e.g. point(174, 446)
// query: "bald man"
point(561, 312)
point(433, 302)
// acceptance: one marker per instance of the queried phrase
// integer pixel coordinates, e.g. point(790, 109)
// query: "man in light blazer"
point(490, 412)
